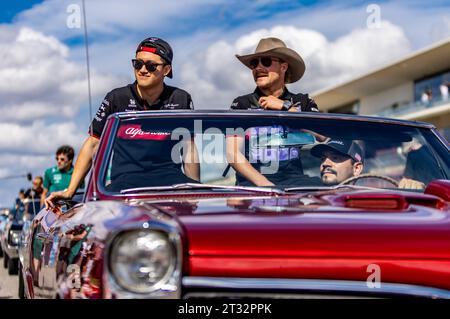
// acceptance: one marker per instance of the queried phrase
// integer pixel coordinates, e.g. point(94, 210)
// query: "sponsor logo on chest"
point(132, 104)
point(57, 178)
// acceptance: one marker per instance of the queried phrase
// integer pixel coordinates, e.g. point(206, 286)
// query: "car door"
point(41, 245)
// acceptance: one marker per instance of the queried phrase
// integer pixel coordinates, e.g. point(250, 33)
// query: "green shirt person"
point(57, 178)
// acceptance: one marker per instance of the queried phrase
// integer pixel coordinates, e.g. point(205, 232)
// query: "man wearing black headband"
point(152, 63)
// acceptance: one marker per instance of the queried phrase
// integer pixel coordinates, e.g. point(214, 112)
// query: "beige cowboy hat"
point(277, 48)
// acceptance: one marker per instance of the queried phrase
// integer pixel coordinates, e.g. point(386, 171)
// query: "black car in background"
point(11, 232)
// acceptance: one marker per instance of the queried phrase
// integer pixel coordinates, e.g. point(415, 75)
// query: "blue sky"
point(11, 8)
point(43, 90)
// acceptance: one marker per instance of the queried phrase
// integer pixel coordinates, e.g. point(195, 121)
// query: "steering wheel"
point(355, 178)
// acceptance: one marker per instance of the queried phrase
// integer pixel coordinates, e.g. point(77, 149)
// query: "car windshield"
point(282, 152)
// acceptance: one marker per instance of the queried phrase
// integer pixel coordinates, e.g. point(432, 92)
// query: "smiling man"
point(273, 66)
point(152, 63)
point(341, 160)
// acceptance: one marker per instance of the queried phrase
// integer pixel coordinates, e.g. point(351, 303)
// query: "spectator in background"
point(57, 178)
point(36, 189)
point(444, 90)
point(430, 96)
point(426, 97)
point(20, 199)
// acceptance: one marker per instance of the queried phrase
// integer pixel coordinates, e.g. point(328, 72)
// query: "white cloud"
point(37, 79)
point(4, 172)
point(27, 35)
point(31, 162)
point(41, 95)
point(39, 137)
point(214, 76)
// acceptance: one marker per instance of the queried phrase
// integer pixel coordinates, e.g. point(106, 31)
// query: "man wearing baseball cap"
point(152, 63)
point(341, 159)
point(273, 65)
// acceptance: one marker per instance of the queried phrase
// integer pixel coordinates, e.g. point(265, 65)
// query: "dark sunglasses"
point(149, 65)
point(62, 159)
point(266, 61)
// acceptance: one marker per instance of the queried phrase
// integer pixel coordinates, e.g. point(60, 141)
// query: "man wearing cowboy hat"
point(273, 66)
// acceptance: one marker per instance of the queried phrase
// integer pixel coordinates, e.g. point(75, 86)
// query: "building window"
point(432, 89)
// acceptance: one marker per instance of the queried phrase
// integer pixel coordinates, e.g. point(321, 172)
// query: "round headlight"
point(142, 261)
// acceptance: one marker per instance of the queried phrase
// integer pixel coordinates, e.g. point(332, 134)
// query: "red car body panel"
point(335, 234)
point(411, 245)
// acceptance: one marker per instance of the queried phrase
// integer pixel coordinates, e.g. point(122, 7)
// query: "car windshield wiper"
point(189, 186)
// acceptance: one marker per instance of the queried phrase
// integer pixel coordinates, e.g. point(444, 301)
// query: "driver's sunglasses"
point(266, 61)
point(149, 65)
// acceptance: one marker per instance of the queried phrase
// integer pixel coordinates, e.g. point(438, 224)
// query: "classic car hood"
point(406, 236)
point(327, 223)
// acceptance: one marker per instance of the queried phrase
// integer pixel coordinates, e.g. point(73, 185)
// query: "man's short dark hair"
point(66, 150)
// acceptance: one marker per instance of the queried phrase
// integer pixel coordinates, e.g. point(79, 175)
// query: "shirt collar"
point(69, 171)
point(144, 102)
point(286, 95)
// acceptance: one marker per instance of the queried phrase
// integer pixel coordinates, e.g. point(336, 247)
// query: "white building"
point(413, 88)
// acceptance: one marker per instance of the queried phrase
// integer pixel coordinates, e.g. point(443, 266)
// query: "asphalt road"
point(8, 284)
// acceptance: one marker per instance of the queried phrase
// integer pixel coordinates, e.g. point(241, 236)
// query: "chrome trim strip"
point(104, 166)
point(268, 114)
point(441, 139)
point(193, 186)
point(315, 285)
point(226, 113)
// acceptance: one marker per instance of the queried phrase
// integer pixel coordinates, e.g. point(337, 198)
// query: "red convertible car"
point(250, 204)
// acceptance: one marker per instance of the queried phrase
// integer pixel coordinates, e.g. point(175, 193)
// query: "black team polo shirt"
point(127, 99)
point(250, 101)
point(141, 158)
point(290, 169)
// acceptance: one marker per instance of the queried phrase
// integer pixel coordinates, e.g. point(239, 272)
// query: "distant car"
point(145, 230)
point(12, 230)
point(4, 213)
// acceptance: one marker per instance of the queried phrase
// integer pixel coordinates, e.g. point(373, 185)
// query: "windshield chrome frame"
point(121, 116)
